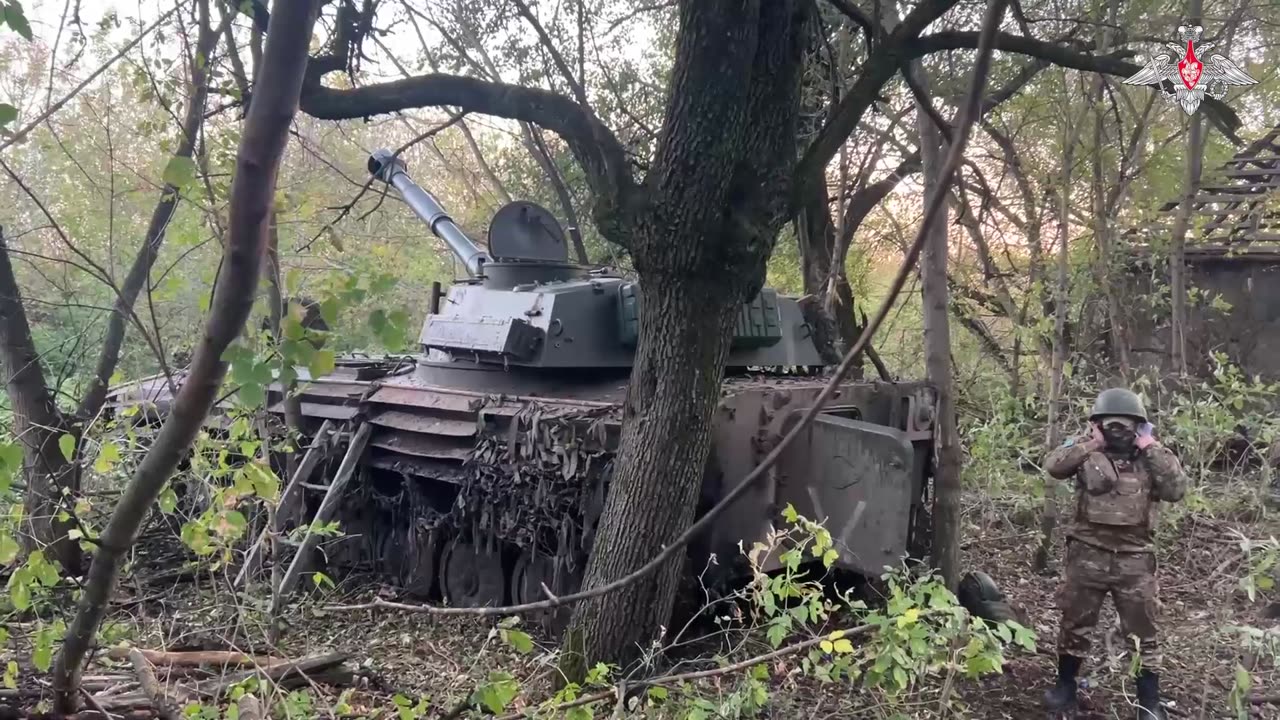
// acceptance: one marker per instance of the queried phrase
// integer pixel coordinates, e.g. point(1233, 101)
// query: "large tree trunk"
point(716, 198)
point(660, 464)
point(39, 426)
point(937, 348)
point(266, 132)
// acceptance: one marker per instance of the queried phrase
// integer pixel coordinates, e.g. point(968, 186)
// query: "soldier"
point(1121, 472)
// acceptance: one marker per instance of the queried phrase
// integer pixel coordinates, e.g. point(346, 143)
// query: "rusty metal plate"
point(429, 446)
point(859, 486)
point(425, 398)
point(414, 422)
point(321, 410)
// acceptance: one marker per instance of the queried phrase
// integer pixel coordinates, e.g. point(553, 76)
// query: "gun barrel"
point(390, 169)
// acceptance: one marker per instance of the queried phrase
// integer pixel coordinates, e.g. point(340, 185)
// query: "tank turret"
point(525, 304)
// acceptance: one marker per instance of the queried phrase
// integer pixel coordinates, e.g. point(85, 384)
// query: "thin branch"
point(704, 674)
point(579, 92)
point(21, 133)
point(345, 210)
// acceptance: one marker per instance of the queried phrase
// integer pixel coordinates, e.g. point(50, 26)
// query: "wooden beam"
point(345, 471)
point(318, 450)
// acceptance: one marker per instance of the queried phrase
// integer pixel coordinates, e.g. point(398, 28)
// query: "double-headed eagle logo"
point(1191, 78)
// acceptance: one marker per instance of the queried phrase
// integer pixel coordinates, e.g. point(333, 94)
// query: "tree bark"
point(1178, 251)
point(937, 348)
point(1053, 433)
point(262, 144)
point(717, 196)
point(38, 424)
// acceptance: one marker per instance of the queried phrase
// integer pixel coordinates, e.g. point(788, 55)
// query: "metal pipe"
point(390, 169)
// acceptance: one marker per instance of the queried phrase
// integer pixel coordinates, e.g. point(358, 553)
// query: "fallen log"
point(296, 673)
point(151, 687)
point(193, 658)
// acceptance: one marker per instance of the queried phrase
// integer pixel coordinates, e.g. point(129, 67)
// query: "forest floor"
point(444, 659)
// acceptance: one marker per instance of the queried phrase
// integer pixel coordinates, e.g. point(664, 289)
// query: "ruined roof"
point(1236, 211)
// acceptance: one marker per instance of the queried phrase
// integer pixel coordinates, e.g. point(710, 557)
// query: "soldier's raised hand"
point(1096, 441)
point(1146, 436)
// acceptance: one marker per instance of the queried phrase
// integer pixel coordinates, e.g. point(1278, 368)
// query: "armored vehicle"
point(479, 465)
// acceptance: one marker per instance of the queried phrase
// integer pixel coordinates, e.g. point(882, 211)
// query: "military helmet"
point(1118, 401)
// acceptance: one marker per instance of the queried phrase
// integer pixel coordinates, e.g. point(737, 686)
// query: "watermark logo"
point(1191, 78)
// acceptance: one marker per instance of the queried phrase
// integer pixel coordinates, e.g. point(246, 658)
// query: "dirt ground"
point(443, 659)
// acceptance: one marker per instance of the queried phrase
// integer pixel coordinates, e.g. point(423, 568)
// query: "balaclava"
point(1120, 433)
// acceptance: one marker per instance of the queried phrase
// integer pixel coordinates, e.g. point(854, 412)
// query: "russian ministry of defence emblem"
point(1191, 77)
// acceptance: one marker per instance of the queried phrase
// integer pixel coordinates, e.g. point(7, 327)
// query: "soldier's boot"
point(1063, 695)
point(1149, 707)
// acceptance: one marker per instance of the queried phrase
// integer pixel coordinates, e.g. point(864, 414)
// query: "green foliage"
point(11, 14)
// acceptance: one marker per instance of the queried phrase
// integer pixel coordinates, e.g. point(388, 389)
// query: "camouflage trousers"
point(1130, 578)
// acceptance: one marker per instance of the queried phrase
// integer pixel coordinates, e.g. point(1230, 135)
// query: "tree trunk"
point(1117, 332)
point(716, 196)
point(937, 349)
point(660, 463)
point(1178, 251)
point(266, 132)
point(1053, 434)
point(815, 238)
point(538, 148)
point(38, 424)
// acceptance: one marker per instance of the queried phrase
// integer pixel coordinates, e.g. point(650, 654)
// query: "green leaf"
point(180, 172)
point(108, 456)
point(498, 692)
point(8, 548)
point(329, 311)
point(67, 443)
point(265, 483)
point(252, 394)
point(42, 652)
point(322, 363)
point(900, 676)
point(11, 675)
point(518, 640)
point(19, 593)
point(8, 113)
point(14, 16)
point(168, 500)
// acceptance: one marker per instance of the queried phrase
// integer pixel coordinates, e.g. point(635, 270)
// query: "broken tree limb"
point(317, 451)
point(195, 657)
point(249, 708)
point(151, 687)
point(298, 672)
point(327, 506)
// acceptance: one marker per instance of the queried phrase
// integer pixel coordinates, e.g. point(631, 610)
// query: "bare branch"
point(575, 84)
point(595, 146)
point(22, 132)
point(1114, 63)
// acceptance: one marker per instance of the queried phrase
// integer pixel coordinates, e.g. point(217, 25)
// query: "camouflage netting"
point(540, 483)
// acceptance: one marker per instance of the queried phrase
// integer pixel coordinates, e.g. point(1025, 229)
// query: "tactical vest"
point(1129, 500)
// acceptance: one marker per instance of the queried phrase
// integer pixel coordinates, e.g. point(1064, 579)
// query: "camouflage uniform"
point(1110, 546)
